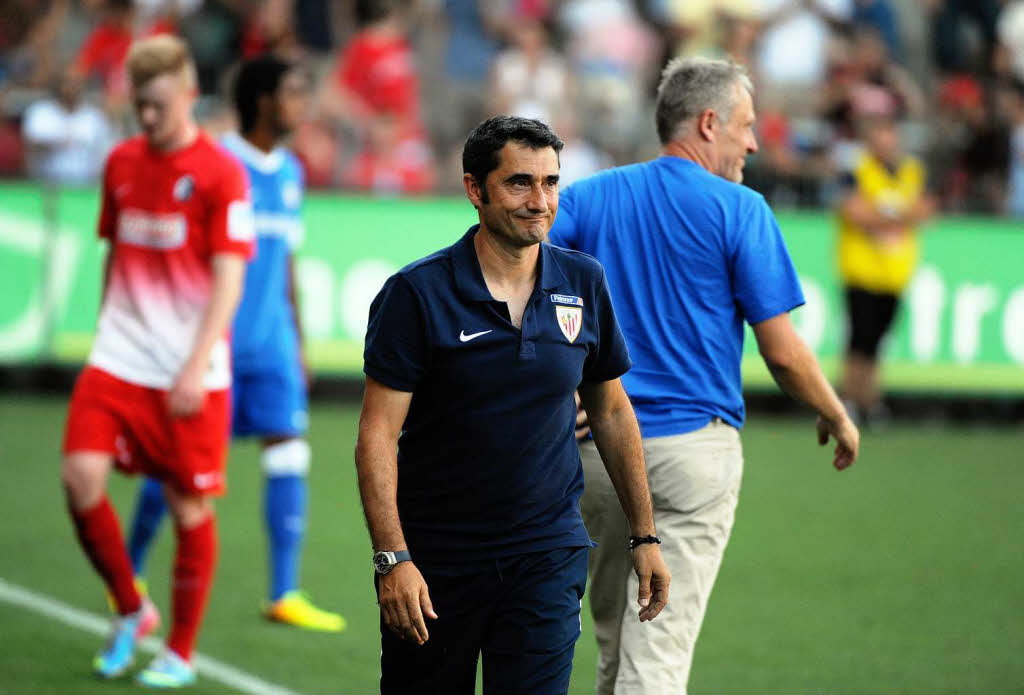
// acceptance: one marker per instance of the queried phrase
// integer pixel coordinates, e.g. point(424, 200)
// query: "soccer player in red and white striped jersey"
point(155, 394)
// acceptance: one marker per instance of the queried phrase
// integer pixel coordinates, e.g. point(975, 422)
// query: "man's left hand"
point(654, 578)
point(186, 396)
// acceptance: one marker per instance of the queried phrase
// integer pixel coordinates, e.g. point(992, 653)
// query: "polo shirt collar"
point(469, 278)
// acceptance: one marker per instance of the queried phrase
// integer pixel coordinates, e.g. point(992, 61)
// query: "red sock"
point(193, 575)
point(100, 536)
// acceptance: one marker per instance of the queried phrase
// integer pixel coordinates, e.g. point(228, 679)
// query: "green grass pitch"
point(903, 575)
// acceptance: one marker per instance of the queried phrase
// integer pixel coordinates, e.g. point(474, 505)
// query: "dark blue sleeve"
point(564, 232)
point(764, 280)
point(397, 350)
point(610, 359)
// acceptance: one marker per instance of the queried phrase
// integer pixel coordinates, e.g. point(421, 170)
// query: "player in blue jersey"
point(269, 376)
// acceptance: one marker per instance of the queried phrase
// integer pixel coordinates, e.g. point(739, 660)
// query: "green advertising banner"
point(961, 328)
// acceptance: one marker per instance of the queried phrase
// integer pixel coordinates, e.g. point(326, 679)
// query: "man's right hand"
point(847, 439)
point(582, 422)
point(404, 601)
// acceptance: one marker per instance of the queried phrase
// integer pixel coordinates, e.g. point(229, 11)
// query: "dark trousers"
point(522, 613)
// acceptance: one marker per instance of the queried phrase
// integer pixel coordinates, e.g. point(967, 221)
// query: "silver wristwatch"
point(385, 560)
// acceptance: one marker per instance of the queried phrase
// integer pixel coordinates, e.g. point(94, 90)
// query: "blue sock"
point(285, 509)
point(149, 512)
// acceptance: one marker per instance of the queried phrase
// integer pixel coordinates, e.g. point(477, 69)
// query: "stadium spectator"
point(795, 45)
point(467, 467)
point(530, 79)
point(269, 391)
point(883, 203)
point(1010, 29)
point(579, 157)
point(612, 53)
point(154, 396)
point(376, 72)
point(950, 47)
point(881, 16)
point(67, 137)
point(472, 31)
point(690, 255)
point(392, 162)
point(105, 50)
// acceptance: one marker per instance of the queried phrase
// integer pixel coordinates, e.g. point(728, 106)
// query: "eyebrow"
point(516, 178)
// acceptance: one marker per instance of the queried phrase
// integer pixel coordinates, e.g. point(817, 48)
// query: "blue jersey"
point(689, 257)
point(264, 334)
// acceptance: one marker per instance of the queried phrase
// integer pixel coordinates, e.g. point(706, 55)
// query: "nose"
point(538, 201)
point(752, 143)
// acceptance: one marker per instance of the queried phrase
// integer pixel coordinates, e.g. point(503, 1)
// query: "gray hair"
point(689, 86)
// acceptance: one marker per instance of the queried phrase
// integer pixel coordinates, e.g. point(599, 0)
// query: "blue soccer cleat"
point(167, 670)
point(119, 653)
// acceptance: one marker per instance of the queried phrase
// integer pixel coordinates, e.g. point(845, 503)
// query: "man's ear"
point(473, 191)
point(707, 125)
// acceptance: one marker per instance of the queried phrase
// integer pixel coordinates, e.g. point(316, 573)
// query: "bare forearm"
point(617, 437)
point(377, 468)
point(800, 376)
point(219, 312)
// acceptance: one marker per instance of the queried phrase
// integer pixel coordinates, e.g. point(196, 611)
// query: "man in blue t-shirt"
point(468, 468)
point(268, 380)
point(690, 256)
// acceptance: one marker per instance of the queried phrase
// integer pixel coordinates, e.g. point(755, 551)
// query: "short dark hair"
point(256, 78)
point(480, 154)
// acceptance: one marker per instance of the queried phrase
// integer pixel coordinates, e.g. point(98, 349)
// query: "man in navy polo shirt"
point(468, 468)
point(691, 255)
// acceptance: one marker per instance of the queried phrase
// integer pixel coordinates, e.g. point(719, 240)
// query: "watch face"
point(382, 562)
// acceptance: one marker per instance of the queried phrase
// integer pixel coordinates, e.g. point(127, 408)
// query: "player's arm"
point(617, 436)
point(797, 372)
point(402, 593)
point(186, 396)
point(293, 299)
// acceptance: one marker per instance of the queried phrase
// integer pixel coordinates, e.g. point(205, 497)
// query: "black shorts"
point(870, 315)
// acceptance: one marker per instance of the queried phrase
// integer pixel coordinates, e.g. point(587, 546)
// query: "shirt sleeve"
point(610, 359)
point(563, 232)
point(764, 281)
point(231, 227)
point(298, 232)
point(108, 206)
point(397, 351)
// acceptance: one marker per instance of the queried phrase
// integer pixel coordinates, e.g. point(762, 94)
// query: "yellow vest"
point(881, 265)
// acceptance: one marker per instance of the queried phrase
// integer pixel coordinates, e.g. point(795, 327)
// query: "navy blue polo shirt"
point(487, 462)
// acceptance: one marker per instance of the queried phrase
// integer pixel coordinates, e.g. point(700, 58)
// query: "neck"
point(261, 137)
point(689, 150)
point(504, 264)
point(185, 137)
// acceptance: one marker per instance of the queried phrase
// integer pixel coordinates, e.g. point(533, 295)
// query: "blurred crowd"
point(400, 83)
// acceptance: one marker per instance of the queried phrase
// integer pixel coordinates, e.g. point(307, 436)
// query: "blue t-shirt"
point(487, 461)
point(689, 257)
point(264, 334)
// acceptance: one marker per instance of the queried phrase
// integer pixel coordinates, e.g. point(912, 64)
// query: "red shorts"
point(132, 423)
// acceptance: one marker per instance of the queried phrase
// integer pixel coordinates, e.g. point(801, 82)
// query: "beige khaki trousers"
point(695, 484)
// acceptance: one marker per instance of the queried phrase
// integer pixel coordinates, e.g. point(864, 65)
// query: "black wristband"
point(634, 541)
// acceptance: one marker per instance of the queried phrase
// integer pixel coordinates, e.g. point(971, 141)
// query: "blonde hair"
point(160, 55)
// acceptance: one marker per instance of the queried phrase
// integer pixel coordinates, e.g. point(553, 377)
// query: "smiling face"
point(520, 197)
point(735, 139)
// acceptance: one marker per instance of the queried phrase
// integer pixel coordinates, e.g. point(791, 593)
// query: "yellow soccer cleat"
point(295, 608)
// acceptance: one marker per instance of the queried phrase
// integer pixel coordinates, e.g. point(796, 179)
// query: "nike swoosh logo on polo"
point(466, 338)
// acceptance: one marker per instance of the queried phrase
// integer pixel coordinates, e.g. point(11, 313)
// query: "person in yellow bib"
point(884, 202)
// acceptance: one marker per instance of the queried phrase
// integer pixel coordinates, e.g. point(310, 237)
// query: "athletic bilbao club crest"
point(570, 320)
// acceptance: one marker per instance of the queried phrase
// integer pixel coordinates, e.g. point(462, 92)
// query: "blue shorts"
point(522, 613)
point(270, 402)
